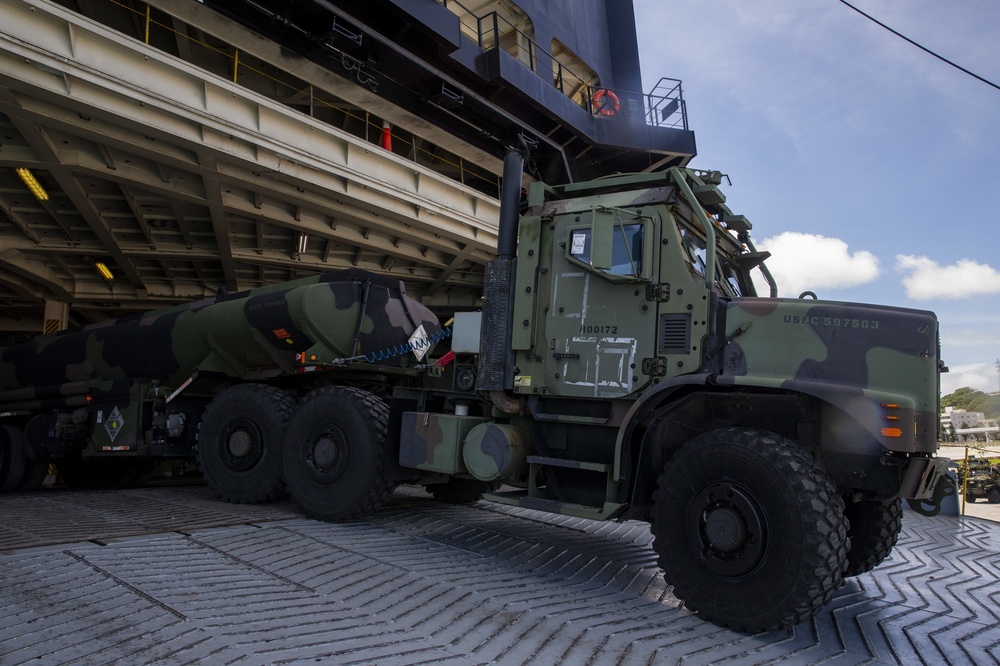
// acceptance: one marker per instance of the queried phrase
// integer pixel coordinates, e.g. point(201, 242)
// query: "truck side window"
point(626, 249)
point(727, 275)
point(695, 248)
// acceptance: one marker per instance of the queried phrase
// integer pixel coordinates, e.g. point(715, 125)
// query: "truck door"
point(599, 325)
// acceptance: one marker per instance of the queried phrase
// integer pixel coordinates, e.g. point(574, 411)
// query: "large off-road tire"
point(239, 448)
point(993, 495)
point(12, 460)
point(335, 451)
point(34, 475)
point(873, 528)
point(461, 491)
point(749, 530)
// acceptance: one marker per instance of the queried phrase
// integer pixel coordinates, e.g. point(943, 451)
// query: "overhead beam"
point(22, 264)
point(216, 208)
point(40, 142)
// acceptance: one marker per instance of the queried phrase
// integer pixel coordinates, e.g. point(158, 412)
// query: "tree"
point(973, 400)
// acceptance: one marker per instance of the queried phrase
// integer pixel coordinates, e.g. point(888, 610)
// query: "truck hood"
point(877, 363)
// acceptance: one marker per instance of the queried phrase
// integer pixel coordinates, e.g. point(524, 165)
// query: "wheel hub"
point(240, 444)
point(725, 529)
point(728, 527)
point(326, 453)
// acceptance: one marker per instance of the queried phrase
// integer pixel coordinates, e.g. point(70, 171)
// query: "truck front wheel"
point(239, 448)
point(993, 495)
point(749, 530)
point(335, 452)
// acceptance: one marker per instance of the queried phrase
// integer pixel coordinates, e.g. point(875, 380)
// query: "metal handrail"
point(663, 106)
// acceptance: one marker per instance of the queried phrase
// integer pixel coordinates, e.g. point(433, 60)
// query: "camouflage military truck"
point(622, 367)
point(981, 482)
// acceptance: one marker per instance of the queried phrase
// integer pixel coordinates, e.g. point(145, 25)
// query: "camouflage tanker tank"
point(135, 388)
point(260, 333)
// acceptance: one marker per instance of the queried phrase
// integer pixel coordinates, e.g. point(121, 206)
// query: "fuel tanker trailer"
point(107, 401)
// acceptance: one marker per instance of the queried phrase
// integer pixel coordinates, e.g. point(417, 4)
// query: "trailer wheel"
point(12, 460)
point(34, 475)
point(873, 528)
point(993, 495)
point(461, 491)
point(335, 451)
point(749, 530)
point(239, 449)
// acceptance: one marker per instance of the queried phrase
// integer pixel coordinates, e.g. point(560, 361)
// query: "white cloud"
point(977, 333)
point(926, 279)
point(801, 262)
point(980, 376)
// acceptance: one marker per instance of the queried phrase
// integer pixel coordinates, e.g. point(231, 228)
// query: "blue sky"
point(869, 169)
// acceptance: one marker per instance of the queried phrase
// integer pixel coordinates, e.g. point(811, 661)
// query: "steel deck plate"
point(170, 576)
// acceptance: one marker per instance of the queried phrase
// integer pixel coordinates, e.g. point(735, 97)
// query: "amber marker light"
point(104, 271)
point(893, 432)
point(32, 183)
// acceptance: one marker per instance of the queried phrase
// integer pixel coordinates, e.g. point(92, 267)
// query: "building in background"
point(963, 426)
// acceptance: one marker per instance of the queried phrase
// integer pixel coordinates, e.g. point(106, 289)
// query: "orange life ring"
point(606, 103)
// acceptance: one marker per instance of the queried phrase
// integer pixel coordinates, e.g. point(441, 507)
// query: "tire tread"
point(828, 538)
point(272, 488)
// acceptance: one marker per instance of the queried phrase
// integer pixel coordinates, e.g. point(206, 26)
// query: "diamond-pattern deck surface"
point(171, 576)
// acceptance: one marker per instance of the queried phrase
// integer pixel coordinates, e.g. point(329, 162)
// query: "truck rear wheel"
point(239, 449)
point(873, 528)
point(335, 452)
point(749, 530)
point(12, 460)
point(993, 495)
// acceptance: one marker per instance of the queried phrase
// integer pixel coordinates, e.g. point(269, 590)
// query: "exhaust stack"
point(496, 358)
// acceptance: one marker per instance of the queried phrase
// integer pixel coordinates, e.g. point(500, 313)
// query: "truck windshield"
point(727, 278)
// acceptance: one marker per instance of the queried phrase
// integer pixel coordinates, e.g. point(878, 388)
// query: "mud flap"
point(944, 499)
